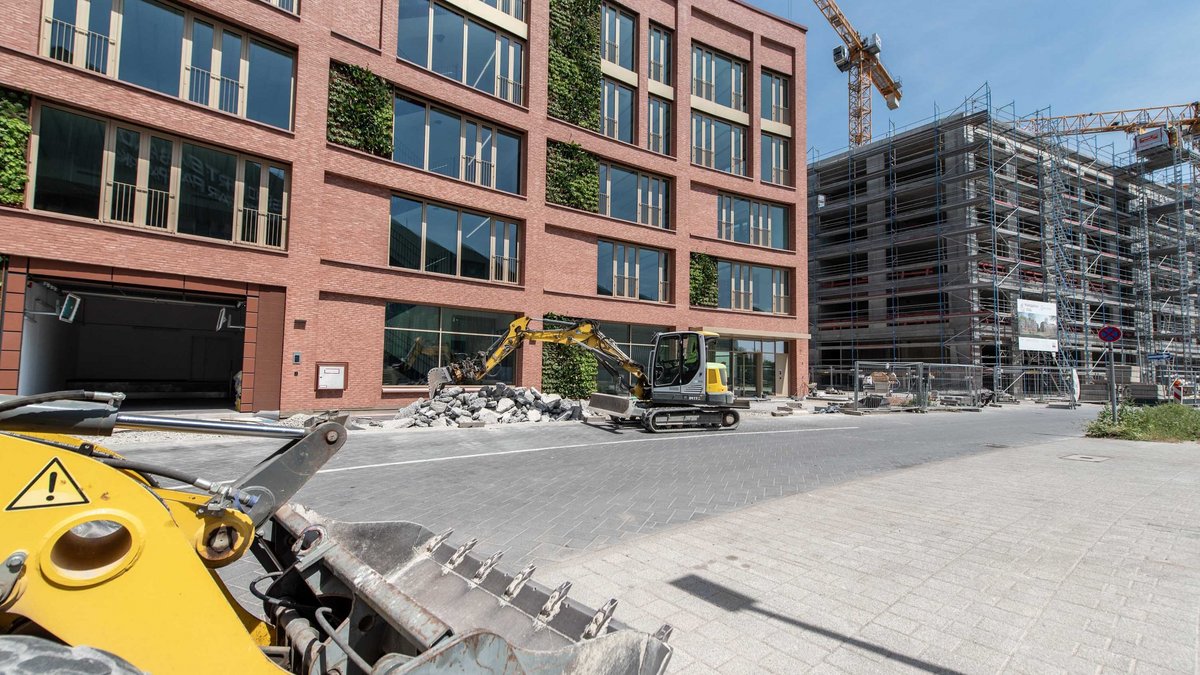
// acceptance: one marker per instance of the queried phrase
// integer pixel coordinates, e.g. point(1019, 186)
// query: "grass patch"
point(1169, 422)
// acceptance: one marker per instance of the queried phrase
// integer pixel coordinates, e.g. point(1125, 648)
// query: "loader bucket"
point(437, 377)
point(421, 605)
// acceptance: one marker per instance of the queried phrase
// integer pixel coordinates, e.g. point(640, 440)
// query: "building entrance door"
point(747, 374)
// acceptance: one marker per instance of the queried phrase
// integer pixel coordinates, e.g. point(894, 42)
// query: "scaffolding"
point(922, 242)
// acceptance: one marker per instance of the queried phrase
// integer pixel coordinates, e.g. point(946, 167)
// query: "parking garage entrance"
point(161, 348)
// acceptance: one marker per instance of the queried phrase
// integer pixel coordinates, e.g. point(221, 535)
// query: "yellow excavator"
point(680, 390)
point(106, 568)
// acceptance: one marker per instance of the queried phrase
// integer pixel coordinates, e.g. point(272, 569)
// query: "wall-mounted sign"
point(1037, 326)
point(332, 376)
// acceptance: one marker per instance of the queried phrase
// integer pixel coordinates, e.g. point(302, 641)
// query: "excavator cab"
point(681, 372)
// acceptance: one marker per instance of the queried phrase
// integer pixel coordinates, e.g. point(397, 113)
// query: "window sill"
point(384, 160)
point(610, 139)
point(404, 271)
point(610, 298)
point(572, 209)
point(465, 87)
point(782, 186)
point(134, 229)
point(756, 247)
point(181, 101)
point(741, 312)
point(724, 173)
point(295, 16)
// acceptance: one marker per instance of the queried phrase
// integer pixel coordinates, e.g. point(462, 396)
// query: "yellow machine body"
point(116, 564)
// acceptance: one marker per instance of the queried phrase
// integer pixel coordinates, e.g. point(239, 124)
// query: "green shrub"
point(1169, 422)
point(575, 79)
point(568, 370)
point(702, 280)
point(360, 110)
point(572, 176)
point(14, 142)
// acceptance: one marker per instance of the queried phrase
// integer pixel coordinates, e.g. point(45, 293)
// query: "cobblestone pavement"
point(1017, 560)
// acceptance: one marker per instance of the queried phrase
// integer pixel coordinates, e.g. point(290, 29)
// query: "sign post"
point(1111, 334)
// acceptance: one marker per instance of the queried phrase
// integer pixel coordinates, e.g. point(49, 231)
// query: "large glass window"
point(633, 196)
point(118, 173)
point(616, 108)
point(628, 271)
point(151, 45)
point(69, 160)
point(445, 240)
point(752, 222)
point(775, 97)
point(718, 144)
point(454, 145)
point(752, 287)
point(718, 78)
point(437, 37)
point(419, 338)
point(513, 8)
point(775, 160)
point(659, 126)
point(618, 36)
point(660, 54)
point(176, 52)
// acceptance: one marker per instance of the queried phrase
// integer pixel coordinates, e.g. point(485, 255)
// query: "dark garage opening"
point(161, 348)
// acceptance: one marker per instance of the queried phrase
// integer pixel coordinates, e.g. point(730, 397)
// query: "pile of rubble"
point(499, 404)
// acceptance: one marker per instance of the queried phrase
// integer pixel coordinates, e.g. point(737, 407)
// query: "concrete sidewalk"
point(1017, 560)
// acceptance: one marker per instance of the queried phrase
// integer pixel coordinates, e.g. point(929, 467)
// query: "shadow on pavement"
point(731, 601)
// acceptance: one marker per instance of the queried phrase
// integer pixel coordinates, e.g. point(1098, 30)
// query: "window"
point(752, 222)
point(445, 240)
point(120, 173)
point(659, 125)
point(618, 37)
point(513, 8)
point(775, 97)
point(635, 340)
point(436, 37)
point(660, 54)
point(718, 78)
point(752, 287)
point(636, 197)
point(616, 111)
point(775, 160)
point(418, 338)
point(177, 53)
point(718, 144)
point(286, 5)
point(456, 146)
point(627, 271)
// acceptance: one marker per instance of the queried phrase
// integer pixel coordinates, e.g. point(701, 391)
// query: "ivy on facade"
point(14, 144)
point(574, 64)
point(360, 110)
point(702, 279)
point(572, 176)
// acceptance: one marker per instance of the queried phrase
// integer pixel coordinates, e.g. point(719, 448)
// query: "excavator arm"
point(585, 333)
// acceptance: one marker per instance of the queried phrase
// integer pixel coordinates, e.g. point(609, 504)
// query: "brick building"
point(267, 187)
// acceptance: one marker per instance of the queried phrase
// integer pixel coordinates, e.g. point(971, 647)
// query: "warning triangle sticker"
point(52, 486)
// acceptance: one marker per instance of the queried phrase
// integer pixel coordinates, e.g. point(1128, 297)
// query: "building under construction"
point(923, 241)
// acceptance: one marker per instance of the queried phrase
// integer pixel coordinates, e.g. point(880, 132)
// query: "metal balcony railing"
point(608, 126)
point(123, 205)
point(658, 143)
point(478, 171)
point(263, 228)
point(760, 236)
point(122, 198)
point(611, 52)
point(624, 286)
point(658, 71)
point(651, 214)
point(704, 89)
point(158, 208)
point(779, 176)
point(510, 90)
point(64, 43)
point(738, 101)
point(702, 156)
point(505, 269)
point(199, 85)
point(778, 113)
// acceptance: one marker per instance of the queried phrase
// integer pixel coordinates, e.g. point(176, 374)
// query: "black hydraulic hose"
point(142, 467)
point(72, 395)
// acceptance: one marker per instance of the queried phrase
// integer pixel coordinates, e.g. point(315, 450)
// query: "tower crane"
point(1184, 117)
point(859, 57)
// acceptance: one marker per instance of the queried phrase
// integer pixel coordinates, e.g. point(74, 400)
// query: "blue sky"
point(1072, 55)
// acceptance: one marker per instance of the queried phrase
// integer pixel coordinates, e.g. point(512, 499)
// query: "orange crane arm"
point(865, 71)
point(841, 25)
point(1186, 116)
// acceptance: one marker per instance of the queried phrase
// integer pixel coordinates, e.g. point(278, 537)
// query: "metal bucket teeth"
point(432, 592)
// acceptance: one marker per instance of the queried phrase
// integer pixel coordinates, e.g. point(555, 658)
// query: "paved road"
point(544, 493)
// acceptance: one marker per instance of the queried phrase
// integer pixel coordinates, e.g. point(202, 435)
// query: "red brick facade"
point(333, 277)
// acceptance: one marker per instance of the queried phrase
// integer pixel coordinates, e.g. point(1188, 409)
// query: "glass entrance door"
point(747, 374)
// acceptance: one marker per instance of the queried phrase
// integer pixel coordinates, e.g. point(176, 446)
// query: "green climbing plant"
point(360, 109)
point(572, 176)
point(568, 370)
point(14, 142)
point(575, 80)
point(702, 278)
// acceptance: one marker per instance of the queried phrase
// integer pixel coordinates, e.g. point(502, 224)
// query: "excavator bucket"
point(437, 377)
point(422, 605)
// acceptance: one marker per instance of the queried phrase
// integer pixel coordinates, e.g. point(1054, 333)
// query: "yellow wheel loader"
point(681, 389)
point(104, 568)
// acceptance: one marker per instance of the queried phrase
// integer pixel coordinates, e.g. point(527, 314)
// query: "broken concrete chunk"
point(439, 406)
point(504, 405)
point(533, 415)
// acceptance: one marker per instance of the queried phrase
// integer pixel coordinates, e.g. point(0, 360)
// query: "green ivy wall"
point(702, 279)
point(360, 110)
point(572, 176)
point(575, 77)
point(14, 143)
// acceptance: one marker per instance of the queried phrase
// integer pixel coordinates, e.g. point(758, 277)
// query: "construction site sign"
point(1037, 326)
